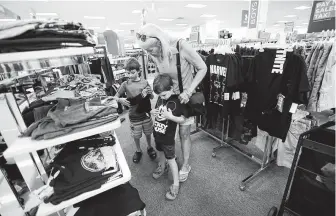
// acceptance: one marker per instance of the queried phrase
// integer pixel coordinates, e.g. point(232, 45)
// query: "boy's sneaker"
point(151, 153)
point(173, 192)
point(160, 171)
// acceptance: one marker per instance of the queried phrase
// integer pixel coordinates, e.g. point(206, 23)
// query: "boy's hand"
point(147, 91)
point(155, 112)
point(167, 113)
point(124, 102)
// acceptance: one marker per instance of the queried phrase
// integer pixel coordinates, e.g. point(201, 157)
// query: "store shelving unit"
point(23, 149)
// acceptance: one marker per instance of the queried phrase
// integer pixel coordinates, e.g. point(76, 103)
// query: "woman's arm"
point(194, 59)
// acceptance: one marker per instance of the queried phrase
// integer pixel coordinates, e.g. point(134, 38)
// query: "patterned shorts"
point(145, 126)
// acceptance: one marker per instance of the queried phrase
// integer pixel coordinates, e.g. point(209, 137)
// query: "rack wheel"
point(213, 154)
point(273, 211)
point(242, 187)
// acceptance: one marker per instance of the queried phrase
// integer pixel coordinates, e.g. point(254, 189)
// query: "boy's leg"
point(147, 126)
point(136, 131)
point(162, 166)
point(174, 169)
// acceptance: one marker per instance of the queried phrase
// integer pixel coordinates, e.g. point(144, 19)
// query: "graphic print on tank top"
point(93, 161)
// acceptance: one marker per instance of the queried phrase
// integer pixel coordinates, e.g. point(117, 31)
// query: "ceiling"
point(117, 13)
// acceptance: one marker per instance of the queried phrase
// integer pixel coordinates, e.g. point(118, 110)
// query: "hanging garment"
point(312, 105)
point(278, 82)
point(313, 63)
point(327, 91)
point(112, 41)
point(310, 55)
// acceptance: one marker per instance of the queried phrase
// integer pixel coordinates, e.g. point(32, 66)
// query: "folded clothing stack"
point(82, 165)
point(32, 35)
point(70, 116)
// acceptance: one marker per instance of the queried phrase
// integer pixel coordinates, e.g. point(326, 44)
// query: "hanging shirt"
point(164, 129)
point(278, 82)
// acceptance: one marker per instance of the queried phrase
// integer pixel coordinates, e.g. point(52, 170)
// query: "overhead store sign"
point(322, 16)
point(289, 27)
point(195, 34)
point(253, 19)
point(244, 21)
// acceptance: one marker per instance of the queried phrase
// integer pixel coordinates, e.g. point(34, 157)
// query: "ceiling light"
point(94, 27)
point(94, 17)
point(208, 15)
point(282, 21)
point(166, 19)
point(126, 23)
point(136, 11)
point(304, 23)
point(302, 7)
point(46, 14)
point(182, 24)
point(298, 26)
point(276, 25)
point(195, 5)
point(7, 20)
point(289, 16)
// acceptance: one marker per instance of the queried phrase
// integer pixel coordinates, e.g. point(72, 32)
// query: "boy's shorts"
point(145, 126)
point(167, 149)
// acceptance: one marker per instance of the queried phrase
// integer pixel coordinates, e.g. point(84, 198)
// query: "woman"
point(163, 50)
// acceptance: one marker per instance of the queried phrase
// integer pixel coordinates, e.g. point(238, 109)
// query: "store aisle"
point(212, 189)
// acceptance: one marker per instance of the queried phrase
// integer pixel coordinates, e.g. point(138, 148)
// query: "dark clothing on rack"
point(121, 201)
point(269, 80)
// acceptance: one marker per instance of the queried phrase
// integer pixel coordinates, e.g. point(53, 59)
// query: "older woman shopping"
point(163, 48)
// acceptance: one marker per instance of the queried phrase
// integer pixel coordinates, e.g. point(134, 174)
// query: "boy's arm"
point(121, 90)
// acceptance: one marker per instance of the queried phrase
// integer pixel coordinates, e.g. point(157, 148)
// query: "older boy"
point(138, 98)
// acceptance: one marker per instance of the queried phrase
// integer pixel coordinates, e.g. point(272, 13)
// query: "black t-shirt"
point(164, 130)
point(274, 72)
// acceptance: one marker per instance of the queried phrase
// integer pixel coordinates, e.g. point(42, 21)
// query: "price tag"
point(293, 108)
point(226, 96)
point(238, 95)
point(280, 103)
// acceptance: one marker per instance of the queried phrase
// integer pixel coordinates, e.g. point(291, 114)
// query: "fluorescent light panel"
point(181, 24)
point(208, 15)
point(127, 23)
point(166, 19)
point(282, 21)
point(136, 11)
point(276, 25)
point(289, 16)
point(94, 17)
point(303, 7)
point(195, 6)
point(304, 23)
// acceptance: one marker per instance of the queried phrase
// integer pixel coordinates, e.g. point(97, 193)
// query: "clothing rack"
point(225, 142)
point(24, 150)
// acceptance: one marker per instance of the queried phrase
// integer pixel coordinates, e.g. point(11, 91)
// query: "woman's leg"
point(186, 145)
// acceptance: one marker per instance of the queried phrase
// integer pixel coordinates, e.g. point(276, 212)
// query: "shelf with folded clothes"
point(121, 176)
point(59, 121)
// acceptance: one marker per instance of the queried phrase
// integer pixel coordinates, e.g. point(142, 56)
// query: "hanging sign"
point(244, 21)
point(253, 14)
point(289, 27)
point(194, 35)
point(322, 16)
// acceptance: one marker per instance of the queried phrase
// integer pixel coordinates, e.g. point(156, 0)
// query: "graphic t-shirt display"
point(278, 84)
point(164, 129)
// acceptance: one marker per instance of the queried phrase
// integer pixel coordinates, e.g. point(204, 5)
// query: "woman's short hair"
point(162, 83)
point(132, 64)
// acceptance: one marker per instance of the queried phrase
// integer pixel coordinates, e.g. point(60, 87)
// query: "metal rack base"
point(267, 160)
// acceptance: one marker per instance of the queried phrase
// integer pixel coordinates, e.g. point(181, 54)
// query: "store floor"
point(213, 185)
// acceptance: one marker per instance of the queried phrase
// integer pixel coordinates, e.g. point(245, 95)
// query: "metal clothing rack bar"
point(266, 161)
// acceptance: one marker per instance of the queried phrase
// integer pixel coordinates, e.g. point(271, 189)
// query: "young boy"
point(168, 113)
point(138, 94)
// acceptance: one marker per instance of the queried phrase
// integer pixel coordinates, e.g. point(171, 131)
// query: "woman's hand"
point(184, 98)
point(124, 102)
